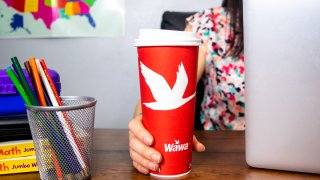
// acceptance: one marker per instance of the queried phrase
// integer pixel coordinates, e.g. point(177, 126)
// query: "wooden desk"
point(224, 158)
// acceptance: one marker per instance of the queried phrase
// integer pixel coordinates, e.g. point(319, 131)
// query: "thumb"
point(198, 146)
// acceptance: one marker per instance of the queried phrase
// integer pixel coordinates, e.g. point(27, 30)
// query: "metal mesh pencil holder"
point(62, 137)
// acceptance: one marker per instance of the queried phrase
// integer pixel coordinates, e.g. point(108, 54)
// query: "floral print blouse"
point(223, 103)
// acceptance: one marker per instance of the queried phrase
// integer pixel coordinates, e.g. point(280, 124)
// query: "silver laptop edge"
point(282, 61)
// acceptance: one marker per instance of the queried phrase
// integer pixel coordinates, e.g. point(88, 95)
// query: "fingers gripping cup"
point(168, 74)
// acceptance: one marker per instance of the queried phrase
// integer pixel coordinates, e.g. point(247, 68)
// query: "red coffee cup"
point(168, 75)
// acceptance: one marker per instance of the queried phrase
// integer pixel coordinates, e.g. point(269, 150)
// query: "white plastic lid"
point(158, 37)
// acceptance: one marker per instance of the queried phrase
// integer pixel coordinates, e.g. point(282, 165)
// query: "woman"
point(220, 67)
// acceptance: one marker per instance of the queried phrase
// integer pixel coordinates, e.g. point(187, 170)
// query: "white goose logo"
point(166, 98)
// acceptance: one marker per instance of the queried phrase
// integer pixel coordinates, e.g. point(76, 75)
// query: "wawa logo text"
point(175, 147)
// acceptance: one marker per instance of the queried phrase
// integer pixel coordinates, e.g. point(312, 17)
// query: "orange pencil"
point(56, 164)
point(37, 82)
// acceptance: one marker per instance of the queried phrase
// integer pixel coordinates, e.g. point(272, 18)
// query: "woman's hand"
point(144, 157)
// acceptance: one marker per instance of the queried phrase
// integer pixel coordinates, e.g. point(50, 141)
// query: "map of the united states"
point(49, 11)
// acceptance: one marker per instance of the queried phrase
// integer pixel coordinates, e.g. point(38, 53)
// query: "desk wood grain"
point(224, 158)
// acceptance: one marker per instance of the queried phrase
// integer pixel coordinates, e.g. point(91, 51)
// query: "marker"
point(18, 85)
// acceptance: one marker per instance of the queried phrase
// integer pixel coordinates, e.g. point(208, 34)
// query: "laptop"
point(282, 51)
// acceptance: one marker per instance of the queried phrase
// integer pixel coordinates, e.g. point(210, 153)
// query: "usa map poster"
point(61, 18)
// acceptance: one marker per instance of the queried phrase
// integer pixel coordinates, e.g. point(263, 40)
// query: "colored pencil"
point(56, 164)
point(56, 127)
point(71, 156)
point(57, 97)
point(18, 85)
point(28, 68)
point(46, 96)
point(46, 71)
point(16, 82)
point(52, 133)
point(37, 82)
point(60, 116)
point(58, 138)
point(15, 71)
point(24, 81)
point(54, 156)
point(68, 157)
point(46, 83)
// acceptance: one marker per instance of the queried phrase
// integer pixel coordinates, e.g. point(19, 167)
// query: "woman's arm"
point(201, 58)
point(201, 64)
